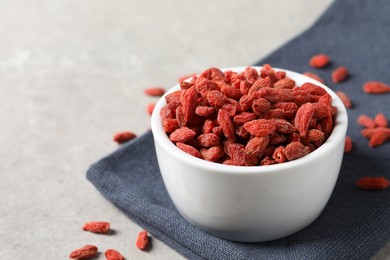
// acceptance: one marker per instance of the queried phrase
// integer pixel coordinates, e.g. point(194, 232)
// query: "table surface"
point(72, 73)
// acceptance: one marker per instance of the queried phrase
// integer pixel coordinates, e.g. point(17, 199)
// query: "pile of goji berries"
point(247, 118)
point(101, 227)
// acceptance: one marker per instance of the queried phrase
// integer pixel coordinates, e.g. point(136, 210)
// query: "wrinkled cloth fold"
point(354, 224)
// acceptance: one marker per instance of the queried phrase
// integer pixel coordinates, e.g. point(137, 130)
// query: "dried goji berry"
point(366, 121)
point(226, 124)
point(213, 153)
point(314, 135)
point(216, 98)
point(279, 155)
point(267, 161)
point(170, 125)
point(289, 109)
point(182, 134)
point(295, 150)
point(208, 126)
point(155, 91)
point(243, 117)
point(340, 74)
point(260, 127)
point(208, 140)
point(189, 102)
point(124, 137)
point(344, 98)
point(319, 61)
point(284, 83)
point(150, 108)
point(173, 99)
point(260, 105)
point(303, 117)
point(204, 110)
point(189, 149)
point(256, 145)
point(378, 138)
point(381, 120)
point(313, 89)
point(373, 183)
point(85, 252)
point(97, 227)
point(283, 126)
point(259, 84)
point(112, 254)
point(313, 76)
point(267, 71)
point(142, 240)
point(376, 87)
point(348, 144)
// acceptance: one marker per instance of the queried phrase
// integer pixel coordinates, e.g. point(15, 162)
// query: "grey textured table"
point(72, 73)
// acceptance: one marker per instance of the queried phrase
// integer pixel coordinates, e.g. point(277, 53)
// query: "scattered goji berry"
point(142, 241)
point(378, 138)
point(319, 61)
point(150, 108)
point(381, 120)
point(85, 252)
point(112, 254)
point(376, 87)
point(366, 121)
point(373, 183)
point(124, 137)
point(340, 74)
point(97, 227)
point(155, 91)
point(344, 98)
point(348, 144)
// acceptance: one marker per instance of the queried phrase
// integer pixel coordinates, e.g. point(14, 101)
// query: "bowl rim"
point(338, 134)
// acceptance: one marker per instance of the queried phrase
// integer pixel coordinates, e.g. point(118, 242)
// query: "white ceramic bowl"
point(251, 203)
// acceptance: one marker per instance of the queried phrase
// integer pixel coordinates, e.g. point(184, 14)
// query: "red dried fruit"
point(376, 87)
point(85, 252)
point(185, 85)
point(150, 108)
point(267, 71)
point(229, 91)
point(208, 126)
point(314, 135)
point(244, 117)
point(319, 61)
point(124, 137)
point(277, 95)
point(230, 109)
point(313, 89)
point(279, 155)
point(267, 161)
point(204, 85)
point(373, 183)
point(295, 150)
point(378, 138)
point(212, 154)
point(97, 227)
point(340, 74)
point(381, 120)
point(348, 144)
point(303, 117)
point(208, 140)
point(260, 105)
point(189, 149)
point(313, 76)
point(289, 109)
point(283, 126)
point(366, 121)
point(344, 98)
point(170, 125)
point(284, 83)
point(226, 124)
point(259, 84)
point(213, 74)
point(167, 113)
point(189, 102)
point(112, 254)
point(246, 102)
point(368, 132)
point(173, 99)
point(256, 145)
point(204, 111)
point(216, 98)
point(142, 240)
point(182, 134)
point(155, 91)
point(260, 127)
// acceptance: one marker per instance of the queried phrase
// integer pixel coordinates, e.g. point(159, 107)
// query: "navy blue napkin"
point(354, 224)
